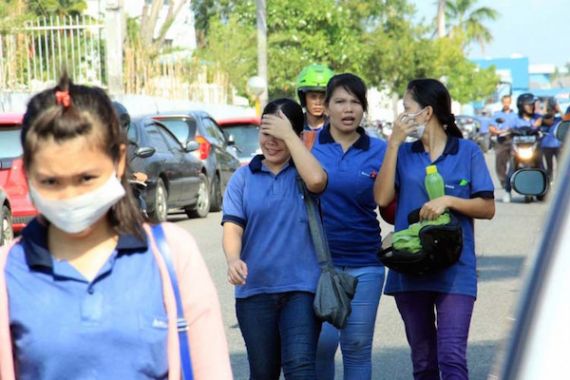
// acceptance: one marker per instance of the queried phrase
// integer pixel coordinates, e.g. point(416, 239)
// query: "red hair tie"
point(63, 99)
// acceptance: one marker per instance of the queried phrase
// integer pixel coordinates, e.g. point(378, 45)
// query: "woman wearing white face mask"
point(437, 348)
point(87, 269)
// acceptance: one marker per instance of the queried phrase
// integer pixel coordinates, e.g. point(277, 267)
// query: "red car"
point(12, 177)
point(244, 132)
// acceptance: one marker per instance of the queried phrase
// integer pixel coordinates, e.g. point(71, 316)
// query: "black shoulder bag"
point(335, 289)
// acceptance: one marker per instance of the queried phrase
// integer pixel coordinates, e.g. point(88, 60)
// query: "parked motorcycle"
point(470, 128)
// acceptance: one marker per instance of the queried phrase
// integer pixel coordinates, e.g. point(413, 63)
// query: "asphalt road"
point(503, 246)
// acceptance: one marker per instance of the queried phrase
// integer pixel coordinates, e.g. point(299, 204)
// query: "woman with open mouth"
point(352, 159)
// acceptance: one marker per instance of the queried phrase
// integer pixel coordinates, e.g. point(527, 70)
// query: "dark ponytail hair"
point(291, 109)
point(67, 111)
point(431, 92)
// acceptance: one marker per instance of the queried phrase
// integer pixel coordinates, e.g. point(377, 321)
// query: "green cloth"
point(409, 239)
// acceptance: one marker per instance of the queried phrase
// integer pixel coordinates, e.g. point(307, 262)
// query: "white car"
point(541, 333)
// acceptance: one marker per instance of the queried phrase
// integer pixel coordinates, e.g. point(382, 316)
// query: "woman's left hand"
point(277, 126)
point(434, 208)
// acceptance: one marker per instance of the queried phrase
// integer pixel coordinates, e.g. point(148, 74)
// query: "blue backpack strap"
point(185, 358)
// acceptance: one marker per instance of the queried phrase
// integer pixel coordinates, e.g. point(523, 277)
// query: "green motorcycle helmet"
point(313, 78)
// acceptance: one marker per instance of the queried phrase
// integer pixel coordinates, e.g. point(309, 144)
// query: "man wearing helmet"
point(311, 88)
point(526, 115)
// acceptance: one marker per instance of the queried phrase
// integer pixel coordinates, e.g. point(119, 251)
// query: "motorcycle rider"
point(311, 87)
point(137, 178)
point(550, 145)
point(526, 117)
point(501, 122)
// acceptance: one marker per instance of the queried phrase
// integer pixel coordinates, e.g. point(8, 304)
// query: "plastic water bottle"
point(434, 182)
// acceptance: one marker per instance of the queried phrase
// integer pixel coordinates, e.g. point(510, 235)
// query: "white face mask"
point(76, 214)
point(420, 127)
point(418, 132)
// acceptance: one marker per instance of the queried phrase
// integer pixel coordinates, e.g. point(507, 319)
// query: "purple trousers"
point(437, 327)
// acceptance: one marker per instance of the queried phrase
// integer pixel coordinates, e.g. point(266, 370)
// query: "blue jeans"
point(437, 327)
point(356, 337)
point(279, 329)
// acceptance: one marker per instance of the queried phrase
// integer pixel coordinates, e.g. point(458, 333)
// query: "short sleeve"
point(481, 182)
point(399, 161)
point(233, 205)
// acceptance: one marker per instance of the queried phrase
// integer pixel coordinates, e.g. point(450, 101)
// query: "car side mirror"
point(562, 130)
point(528, 181)
point(191, 146)
point(145, 152)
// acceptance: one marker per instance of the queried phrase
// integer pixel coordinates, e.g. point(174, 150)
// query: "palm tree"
point(441, 18)
point(462, 15)
point(60, 8)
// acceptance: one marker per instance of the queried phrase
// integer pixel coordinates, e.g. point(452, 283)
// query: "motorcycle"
point(470, 128)
point(525, 152)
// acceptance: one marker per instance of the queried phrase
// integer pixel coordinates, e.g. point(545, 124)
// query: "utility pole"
point(262, 48)
point(441, 18)
point(114, 37)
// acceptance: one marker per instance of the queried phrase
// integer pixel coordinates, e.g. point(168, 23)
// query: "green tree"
point(60, 8)
point(376, 40)
point(13, 14)
point(232, 50)
point(463, 15)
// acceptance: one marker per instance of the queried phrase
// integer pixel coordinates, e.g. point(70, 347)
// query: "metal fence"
point(35, 55)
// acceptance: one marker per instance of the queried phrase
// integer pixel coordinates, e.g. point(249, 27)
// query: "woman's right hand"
point(403, 126)
point(237, 272)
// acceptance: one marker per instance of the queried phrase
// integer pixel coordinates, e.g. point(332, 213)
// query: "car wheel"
point(216, 197)
point(6, 231)
point(202, 206)
point(159, 210)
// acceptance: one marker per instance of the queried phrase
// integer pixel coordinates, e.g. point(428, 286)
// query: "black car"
point(176, 177)
point(216, 152)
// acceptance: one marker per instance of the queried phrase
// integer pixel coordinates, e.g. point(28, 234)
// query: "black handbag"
point(441, 248)
point(335, 289)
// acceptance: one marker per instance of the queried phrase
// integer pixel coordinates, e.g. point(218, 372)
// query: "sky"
point(537, 29)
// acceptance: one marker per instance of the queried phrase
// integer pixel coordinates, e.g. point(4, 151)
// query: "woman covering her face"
point(270, 255)
point(446, 296)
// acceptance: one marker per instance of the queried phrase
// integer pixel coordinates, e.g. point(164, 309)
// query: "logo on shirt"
point(373, 174)
point(159, 323)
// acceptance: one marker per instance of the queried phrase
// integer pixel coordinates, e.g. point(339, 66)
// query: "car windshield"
point(182, 128)
point(10, 146)
point(246, 137)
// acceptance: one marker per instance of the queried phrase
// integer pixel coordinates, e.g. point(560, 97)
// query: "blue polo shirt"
point(484, 123)
point(276, 242)
point(65, 327)
point(509, 117)
point(348, 206)
point(465, 174)
point(549, 139)
point(522, 122)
